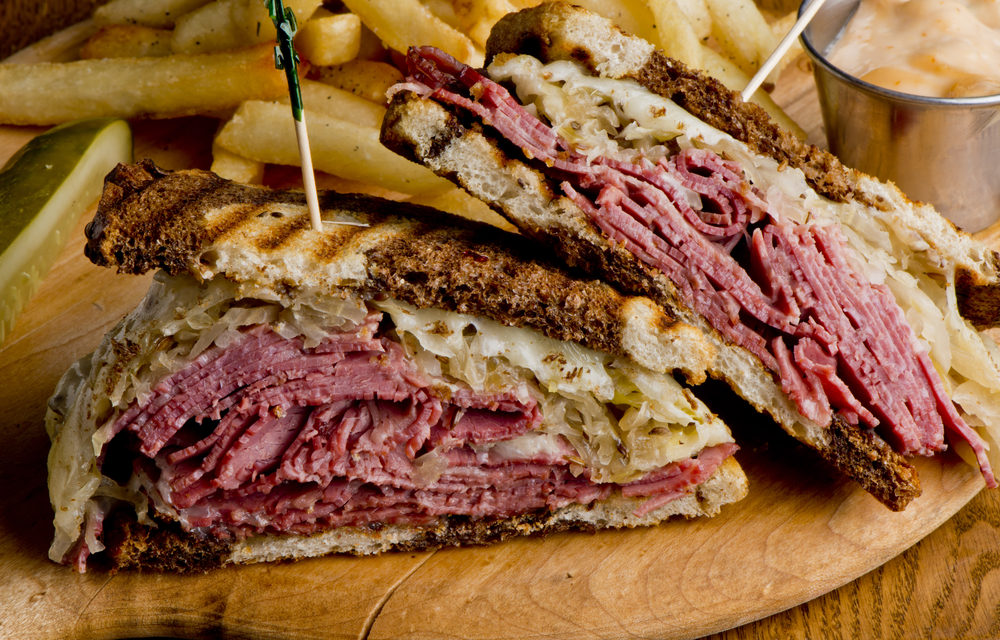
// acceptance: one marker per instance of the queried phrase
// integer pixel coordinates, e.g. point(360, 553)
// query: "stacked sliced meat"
point(787, 292)
point(267, 435)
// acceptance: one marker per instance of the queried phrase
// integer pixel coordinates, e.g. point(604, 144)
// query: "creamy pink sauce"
point(934, 48)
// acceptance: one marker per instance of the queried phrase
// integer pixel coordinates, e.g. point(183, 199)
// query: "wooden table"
point(944, 586)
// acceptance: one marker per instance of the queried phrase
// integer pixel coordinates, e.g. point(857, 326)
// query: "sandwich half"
point(850, 314)
point(393, 381)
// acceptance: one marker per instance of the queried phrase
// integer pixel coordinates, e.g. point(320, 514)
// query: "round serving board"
point(802, 532)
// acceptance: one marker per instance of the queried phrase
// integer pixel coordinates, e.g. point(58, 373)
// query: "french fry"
point(467, 13)
point(677, 37)
point(230, 24)
point(364, 78)
point(445, 11)
point(231, 166)
point(742, 33)
point(329, 40)
point(127, 41)
point(158, 14)
point(61, 46)
point(460, 203)
point(254, 21)
point(265, 131)
point(487, 14)
point(51, 93)
point(405, 23)
point(733, 77)
point(371, 47)
point(213, 27)
point(330, 101)
point(697, 15)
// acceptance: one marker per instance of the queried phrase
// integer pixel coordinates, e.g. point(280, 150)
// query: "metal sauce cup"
point(943, 151)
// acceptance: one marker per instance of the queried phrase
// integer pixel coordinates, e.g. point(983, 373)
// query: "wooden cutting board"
point(802, 532)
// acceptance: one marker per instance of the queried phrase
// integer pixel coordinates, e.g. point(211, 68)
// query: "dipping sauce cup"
point(943, 151)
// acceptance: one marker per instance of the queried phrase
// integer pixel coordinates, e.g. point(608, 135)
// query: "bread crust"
point(870, 461)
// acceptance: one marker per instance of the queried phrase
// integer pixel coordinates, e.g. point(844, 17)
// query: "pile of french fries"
point(169, 58)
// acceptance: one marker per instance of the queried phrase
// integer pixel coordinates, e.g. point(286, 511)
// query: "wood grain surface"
point(804, 535)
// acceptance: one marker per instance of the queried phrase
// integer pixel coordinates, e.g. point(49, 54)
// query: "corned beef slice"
point(267, 435)
point(787, 292)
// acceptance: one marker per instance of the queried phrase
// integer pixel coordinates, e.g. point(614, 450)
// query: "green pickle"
point(44, 188)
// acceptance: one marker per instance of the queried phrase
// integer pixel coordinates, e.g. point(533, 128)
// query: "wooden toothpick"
point(783, 46)
point(285, 57)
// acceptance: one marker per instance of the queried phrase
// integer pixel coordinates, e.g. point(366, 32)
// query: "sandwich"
point(851, 315)
point(398, 380)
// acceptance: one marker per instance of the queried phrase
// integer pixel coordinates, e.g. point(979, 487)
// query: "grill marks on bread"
point(149, 218)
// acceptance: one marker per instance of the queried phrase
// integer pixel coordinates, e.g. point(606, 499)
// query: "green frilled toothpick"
point(286, 58)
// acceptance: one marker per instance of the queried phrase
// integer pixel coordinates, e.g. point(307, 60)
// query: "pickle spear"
point(44, 188)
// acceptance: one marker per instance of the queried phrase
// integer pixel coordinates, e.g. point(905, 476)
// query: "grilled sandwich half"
point(394, 381)
point(850, 314)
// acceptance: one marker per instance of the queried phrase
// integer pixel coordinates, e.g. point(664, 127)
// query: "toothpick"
point(285, 57)
point(783, 46)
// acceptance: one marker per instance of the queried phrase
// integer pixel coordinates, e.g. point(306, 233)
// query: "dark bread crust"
point(870, 461)
point(149, 218)
point(977, 302)
point(132, 546)
point(488, 279)
point(710, 101)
